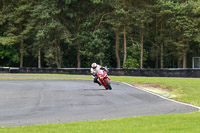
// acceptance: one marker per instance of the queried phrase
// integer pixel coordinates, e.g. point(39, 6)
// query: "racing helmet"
point(94, 65)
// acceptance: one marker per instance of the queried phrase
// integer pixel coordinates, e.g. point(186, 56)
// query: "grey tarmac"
point(40, 101)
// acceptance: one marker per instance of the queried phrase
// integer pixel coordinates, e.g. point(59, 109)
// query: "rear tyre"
point(108, 85)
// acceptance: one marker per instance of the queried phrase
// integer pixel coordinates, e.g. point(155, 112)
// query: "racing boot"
point(99, 83)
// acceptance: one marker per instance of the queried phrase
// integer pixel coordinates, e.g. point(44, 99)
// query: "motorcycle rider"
point(95, 68)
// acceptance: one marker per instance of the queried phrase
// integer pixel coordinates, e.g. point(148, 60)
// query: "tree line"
point(115, 33)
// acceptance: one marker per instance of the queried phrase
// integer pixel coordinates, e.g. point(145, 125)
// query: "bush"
point(131, 63)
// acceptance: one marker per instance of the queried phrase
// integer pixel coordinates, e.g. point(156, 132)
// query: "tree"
point(96, 46)
point(184, 28)
point(141, 17)
point(83, 22)
point(15, 19)
point(163, 15)
point(51, 29)
point(108, 32)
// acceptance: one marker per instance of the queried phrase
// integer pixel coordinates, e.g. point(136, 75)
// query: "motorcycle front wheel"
point(108, 85)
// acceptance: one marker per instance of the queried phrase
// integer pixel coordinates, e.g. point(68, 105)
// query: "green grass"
point(179, 123)
point(186, 89)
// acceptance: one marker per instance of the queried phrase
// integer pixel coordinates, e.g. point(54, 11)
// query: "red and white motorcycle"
point(104, 79)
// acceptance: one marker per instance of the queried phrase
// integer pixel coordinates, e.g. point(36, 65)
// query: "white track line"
point(163, 96)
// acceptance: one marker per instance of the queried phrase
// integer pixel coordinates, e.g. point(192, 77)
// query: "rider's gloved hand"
point(105, 68)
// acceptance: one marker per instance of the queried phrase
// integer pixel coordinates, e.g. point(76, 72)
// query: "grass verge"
point(187, 90)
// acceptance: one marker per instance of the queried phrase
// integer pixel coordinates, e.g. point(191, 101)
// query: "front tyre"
point(108, 85)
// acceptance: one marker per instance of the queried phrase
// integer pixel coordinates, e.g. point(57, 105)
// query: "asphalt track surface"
point(30, 102)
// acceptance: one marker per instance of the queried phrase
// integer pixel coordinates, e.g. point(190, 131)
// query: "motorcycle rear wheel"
point(108, 85)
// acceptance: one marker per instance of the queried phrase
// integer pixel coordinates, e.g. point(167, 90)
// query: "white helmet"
point(94, 65)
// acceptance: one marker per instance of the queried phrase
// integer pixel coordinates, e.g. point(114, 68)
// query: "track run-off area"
point(43, 101)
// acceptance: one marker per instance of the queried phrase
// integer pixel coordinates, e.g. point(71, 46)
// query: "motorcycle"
point(104, 79)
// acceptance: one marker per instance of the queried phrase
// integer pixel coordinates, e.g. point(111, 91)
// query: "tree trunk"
point(56, 52)
point(3, 2)
point(156, 63)
point(117, 47)
point(141, 46)
point(21, 52)
point(78, 57)
point(179, 63)
point(39, 58)
point(184, 59)
point(59, 55)
point(184, 50)
point(101, 62)
point(21, 46)
point(125, 54)
point(161, 55)
point(161, 48)
point(156, 44)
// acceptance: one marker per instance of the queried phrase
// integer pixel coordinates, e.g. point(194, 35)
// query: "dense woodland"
point(114, 33)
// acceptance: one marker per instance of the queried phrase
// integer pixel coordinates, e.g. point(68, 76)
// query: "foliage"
point(96, 45)
point(53, 30)
point(131, 63)
point(8, 55)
